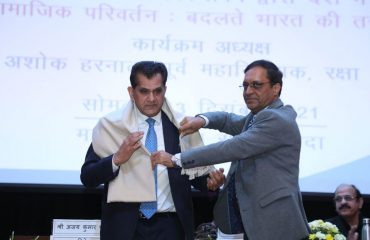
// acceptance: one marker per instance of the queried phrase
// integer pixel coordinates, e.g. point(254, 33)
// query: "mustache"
point(344, 206)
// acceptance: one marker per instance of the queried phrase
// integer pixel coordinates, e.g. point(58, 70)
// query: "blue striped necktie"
point(251, 121)
point(149, 208)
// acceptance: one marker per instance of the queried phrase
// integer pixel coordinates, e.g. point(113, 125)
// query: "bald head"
point(350, 188)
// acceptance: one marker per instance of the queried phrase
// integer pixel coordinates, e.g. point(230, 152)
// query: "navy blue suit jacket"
point(119, 219)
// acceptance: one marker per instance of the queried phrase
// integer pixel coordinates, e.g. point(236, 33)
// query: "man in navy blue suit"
point(118, 159)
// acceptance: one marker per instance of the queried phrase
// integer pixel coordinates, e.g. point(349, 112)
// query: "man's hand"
point(161, 157)
point(215, 179)
point(128, 147)
point(352, 234)
point(190, 125)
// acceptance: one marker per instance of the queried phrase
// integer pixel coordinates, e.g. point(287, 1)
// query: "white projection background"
point(64, 64)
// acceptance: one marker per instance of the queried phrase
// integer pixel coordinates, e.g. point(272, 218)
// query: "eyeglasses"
point(253, 85)
point(146, 92)
point(347, 198)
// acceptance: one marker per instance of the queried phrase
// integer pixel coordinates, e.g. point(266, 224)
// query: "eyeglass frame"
point(347, 198)
point(254, 85)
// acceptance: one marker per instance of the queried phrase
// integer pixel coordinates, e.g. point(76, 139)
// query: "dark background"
point(30, 209)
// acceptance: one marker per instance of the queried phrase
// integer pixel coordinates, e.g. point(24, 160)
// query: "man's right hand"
point(129, 145)
point(190, 125)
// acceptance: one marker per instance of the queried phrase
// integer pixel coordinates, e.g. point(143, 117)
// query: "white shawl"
point(132, 183)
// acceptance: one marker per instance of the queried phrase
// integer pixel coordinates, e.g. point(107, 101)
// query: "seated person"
point(348, 203)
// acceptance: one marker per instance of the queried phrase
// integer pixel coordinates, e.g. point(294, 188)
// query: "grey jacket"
point(265, 160)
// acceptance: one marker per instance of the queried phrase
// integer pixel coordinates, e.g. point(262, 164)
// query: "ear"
point(361, 202)
point(276, 88)
point(131, 92)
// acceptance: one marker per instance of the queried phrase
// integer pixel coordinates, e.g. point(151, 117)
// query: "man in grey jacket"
point(261, 195)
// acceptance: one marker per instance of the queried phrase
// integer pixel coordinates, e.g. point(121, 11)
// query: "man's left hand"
point(352, 234)
point(216, 179)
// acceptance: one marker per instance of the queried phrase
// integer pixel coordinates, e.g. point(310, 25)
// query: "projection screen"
point(64, 64)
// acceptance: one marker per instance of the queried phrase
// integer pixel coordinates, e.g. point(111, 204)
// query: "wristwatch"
point(175, 160)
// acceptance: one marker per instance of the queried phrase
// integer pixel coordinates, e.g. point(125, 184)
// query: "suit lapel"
point(170, 135)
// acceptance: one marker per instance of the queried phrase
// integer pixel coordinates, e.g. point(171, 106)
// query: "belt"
point(157, 215)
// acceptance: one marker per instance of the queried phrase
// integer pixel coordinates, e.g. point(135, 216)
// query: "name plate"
point(73, 238)
point(76, 228)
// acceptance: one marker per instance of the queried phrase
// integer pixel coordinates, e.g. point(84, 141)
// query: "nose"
point(151, 96)
point(249, 90)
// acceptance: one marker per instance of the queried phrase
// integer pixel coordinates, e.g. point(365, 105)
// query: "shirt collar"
point(141, 118)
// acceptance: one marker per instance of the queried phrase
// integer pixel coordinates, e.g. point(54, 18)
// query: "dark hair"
point(273, 73)
point(148, 69)
point(358, 193)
